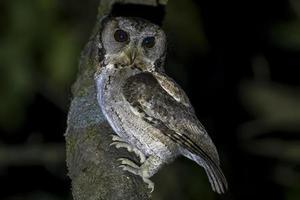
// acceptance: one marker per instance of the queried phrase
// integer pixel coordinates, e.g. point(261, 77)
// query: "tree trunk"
point(92, 163)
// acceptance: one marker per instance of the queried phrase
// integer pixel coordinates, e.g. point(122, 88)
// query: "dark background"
point(237, 60)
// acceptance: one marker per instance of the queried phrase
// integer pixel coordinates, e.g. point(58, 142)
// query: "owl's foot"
point(120, 143)
point(128, 165)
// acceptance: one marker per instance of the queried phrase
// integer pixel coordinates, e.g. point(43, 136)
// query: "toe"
point(117, 138)
point(125, 161)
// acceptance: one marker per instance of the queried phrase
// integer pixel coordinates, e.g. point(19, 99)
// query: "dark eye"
point(149, 42)
point(121, 36)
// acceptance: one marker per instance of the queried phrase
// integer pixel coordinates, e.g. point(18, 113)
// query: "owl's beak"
point(131, 54)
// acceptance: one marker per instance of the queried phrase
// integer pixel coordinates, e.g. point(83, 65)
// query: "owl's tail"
point(214, 173)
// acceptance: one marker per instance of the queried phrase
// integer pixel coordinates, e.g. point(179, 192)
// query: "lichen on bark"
point(92, 163)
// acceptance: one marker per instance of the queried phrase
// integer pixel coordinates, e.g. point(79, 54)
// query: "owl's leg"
point(146, 170)
point(120, 143)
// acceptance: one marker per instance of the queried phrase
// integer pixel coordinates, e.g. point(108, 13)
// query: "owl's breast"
point(125, 120)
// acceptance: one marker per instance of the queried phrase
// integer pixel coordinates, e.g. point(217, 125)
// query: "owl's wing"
point(172, 88)
point(177, 121)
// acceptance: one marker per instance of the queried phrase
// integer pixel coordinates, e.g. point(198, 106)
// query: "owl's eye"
point(120, 36)
point(149, 42)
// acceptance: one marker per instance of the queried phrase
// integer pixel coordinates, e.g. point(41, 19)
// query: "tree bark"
point(92, 163)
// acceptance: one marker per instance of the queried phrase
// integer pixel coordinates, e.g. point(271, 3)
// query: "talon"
point(127, 162)
point(140, 155)
point(150, 184)
point(111, 144)
point(129, 169)
point(115, 144)
point(117, 138)
point(119, 144)
point(122, 166)
point(129, 148)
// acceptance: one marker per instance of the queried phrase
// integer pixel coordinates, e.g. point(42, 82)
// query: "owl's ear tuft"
point(105, 19)
point(154, 14)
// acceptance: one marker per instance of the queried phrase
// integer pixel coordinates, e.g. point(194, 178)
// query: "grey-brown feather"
point(147, 108)
point(175, 120)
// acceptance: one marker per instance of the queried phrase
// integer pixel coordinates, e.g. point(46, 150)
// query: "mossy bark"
point(92, 163)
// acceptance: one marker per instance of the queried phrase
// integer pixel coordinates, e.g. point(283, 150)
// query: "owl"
point(149, 112)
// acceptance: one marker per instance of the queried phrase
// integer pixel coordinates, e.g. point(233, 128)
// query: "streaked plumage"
point(145, 107)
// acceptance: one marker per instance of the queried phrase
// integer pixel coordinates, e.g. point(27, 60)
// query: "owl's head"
point(133, 41)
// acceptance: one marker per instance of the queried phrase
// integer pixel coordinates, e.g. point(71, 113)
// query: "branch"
point(92, 163)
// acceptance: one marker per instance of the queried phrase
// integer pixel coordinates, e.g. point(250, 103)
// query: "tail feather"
point(214, 173)
point(216, 178)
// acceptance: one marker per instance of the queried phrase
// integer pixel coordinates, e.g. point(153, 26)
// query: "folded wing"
point(175, 115)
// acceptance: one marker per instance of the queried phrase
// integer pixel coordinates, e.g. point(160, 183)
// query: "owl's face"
point(133, 41)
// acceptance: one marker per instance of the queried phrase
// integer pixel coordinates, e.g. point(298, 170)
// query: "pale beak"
point(131, 53)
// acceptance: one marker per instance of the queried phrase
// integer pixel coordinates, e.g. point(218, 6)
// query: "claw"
point(120, 145)
point(125, 161)
point(130, 169)
point(130, 166)
point(129, 148)
point(140, 155)
point(150, 184)
point(117, 138)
